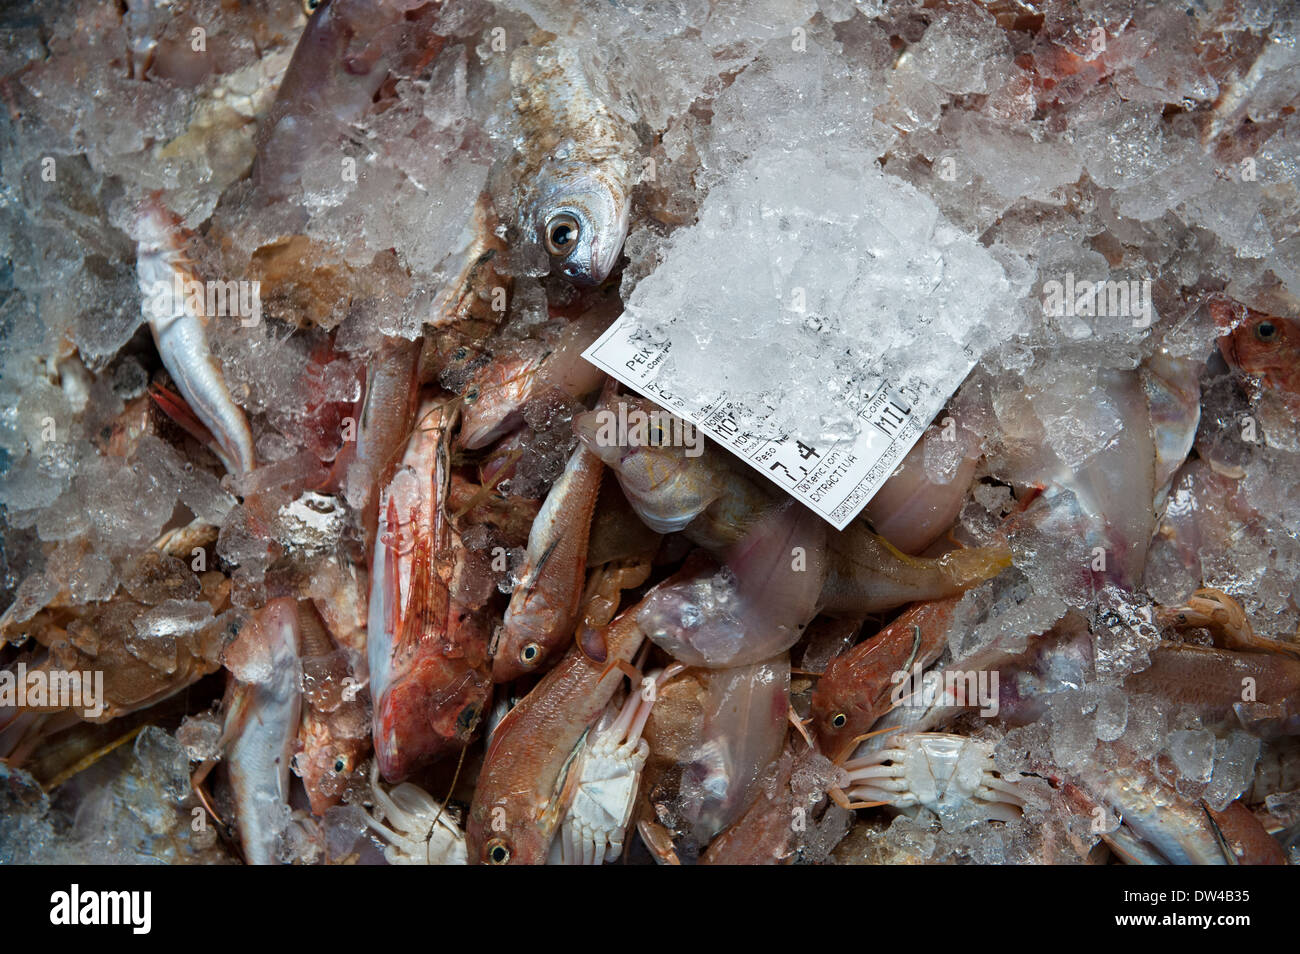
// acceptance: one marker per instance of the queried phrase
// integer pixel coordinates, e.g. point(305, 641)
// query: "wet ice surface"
point(830, 194)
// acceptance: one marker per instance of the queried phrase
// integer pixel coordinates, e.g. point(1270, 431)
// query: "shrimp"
point(545, 604)
point(427, 650)
point(178, 323)
point(1224, 616)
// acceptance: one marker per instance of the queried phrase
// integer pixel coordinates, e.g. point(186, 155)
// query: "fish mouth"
point(594, 271)
point(505, 669)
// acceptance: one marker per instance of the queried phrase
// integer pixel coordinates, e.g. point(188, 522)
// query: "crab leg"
point(934, 770)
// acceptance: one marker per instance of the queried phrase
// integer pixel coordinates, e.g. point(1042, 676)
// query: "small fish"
point(333, 734)
point(262, 720)
point(545, 605)
point(179, 332)
point(1260, 344)
point(498, 392)
point(515, 812)
point(576, 163)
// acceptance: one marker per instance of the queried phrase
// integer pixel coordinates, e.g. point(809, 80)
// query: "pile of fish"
point(318, 545)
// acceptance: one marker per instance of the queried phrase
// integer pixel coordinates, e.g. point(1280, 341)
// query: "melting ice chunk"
point(835, 279)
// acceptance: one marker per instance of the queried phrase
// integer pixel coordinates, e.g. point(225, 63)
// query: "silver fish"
point(261, 727)
point(576, 163)
point(179, 332)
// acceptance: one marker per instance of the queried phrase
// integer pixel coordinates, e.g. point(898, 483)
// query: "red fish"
point(1260, 344)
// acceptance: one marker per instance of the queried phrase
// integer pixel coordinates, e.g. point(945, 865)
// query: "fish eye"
point(562, 231)
point(1266, 331)
point(530, 652)
point(310, 6)
point(471, 395)
point(460, 354)
point(498, 852)
point(340, 764)
point(839, 720)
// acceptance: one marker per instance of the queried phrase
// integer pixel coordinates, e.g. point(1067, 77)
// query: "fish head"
point(431, 708)
point(666, 486)
point(501, 835)
point(508, 828)
point(581, 221)
point(523, 650)
point(1260, 343)
point(326, 764)
point(492, 402)
point(841, 711)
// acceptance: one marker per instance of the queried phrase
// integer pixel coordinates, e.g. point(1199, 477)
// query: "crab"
point(603, 779)
point(418, 831)
point(934, 770)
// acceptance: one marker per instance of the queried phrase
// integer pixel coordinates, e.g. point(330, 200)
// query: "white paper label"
point(835, 481)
